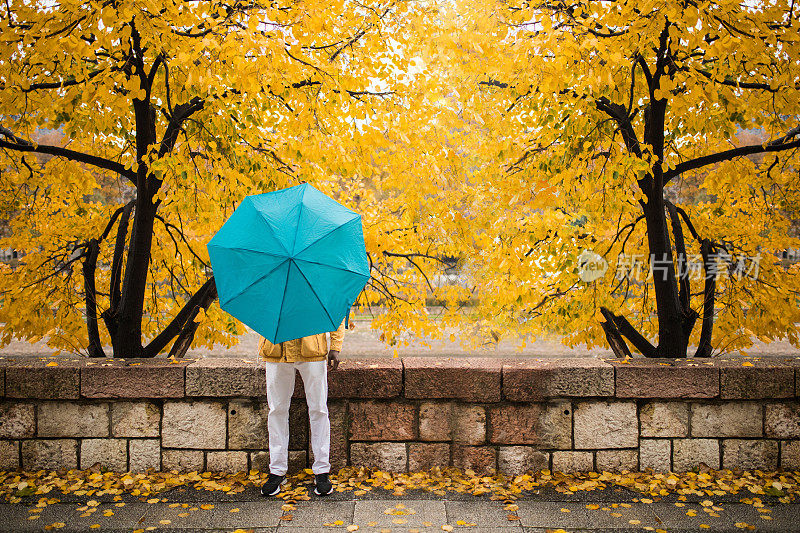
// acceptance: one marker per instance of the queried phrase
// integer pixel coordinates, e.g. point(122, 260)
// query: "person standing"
point(310, 356)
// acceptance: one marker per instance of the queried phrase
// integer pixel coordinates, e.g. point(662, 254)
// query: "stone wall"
point(407, 414)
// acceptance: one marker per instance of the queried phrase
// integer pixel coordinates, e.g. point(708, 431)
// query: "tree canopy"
point(188, 107)
point(517, 143)
point(598, 113)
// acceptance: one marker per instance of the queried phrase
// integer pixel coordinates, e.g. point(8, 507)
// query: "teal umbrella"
point(289, 263)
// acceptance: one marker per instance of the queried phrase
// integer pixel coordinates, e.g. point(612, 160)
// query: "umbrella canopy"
point(289, 263)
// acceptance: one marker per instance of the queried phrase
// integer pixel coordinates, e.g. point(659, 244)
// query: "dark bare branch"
point(21, 145)
point(780, 144)
point(202, 298)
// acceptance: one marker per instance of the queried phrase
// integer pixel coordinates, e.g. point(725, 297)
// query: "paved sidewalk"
point(185, 509)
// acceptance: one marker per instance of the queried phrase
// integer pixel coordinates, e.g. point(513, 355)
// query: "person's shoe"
point(273, 485)
point(323, 485)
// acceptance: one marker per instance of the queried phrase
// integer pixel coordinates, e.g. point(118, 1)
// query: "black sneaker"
point(323, 485)
point(273, 485)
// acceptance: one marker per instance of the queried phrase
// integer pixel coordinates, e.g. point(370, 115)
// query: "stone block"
point(260, 461)
point(337, 413)
point(223, 376)
point(664, 419)
point(144, 454)
point(730, 419)
point(604, 424)
point(17, 420)
point(572, 461)
point(135, 419)
point(382, 421)
point(480, 459)
point(55, 454)
point(790, 455)
point(9, 455)
point(746, 454)
point(247, 425)
point(110, 453)
point(226, 461)
point(665, 378)
point(469, 424)
point(182, 460)
point(31, 378)
point(298, 460)
point(426, 455)
point(475, 379)
point(655, 454)
point(193, 424)
point(782, 420)
point(617, 460)
point(70, 419)
point(388, 456)
point(515, 460)
point(537, 379)
point(545, 425)
point(366, 378)
point(765, 379)
point(435, 421)
point(135, 378)
point(689, 453)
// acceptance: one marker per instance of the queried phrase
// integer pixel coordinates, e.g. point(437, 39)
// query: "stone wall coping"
point(470, 379)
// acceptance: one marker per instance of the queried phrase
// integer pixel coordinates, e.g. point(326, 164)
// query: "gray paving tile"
point(314, 513)
point(387, 514)
point(784, 517)
point(15, 517)
point(483, 514)
point(249, 515)
point(550, 515)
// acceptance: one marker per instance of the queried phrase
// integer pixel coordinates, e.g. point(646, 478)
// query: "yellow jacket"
point(311, 348)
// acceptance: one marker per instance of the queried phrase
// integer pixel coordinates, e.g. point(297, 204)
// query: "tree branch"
point(202, 298)
point(179, 116)
point(21, 145)
point(625, 328)
point(777, 145)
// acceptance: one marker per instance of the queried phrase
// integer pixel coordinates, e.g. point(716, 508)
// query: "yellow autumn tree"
point(188, 107)
point(593, 114)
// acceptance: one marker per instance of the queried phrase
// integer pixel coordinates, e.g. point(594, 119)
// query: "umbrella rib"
point(246, 250)
point(271, 230)
point(323, 236)
point(332, 266)
point(242, 291)
point(283, 300)
point(322, 305)
point(299, 218)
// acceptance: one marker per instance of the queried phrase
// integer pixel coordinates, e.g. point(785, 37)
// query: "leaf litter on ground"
point(151, 486)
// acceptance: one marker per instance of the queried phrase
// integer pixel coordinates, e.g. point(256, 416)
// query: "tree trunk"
point(671, 342)
point(89, 266)
point(131, 307)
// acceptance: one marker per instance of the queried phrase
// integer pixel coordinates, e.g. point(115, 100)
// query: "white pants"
point(280, 385)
